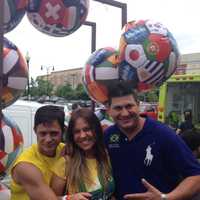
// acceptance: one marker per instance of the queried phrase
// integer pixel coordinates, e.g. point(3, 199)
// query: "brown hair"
point(78, 172)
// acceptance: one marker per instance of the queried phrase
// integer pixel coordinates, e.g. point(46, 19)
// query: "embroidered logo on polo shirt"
point(114, 141)
point(149, 156)
point(114, 138)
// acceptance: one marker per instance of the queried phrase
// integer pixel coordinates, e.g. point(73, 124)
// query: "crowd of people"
point(136, 158)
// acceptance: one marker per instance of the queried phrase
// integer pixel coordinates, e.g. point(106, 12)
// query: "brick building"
point(69, 76)
point(74, 76)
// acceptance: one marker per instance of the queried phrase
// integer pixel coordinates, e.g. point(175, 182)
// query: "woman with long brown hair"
point(86, 173)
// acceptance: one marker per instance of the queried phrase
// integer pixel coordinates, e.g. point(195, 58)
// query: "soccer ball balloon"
point(101, 71)
point(15, 73)
point(57, 17)
point(148, 53)
point(14, 11)
point(103, 118)
point(11, 143)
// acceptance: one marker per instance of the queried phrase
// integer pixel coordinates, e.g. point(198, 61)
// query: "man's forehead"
point(50, 124)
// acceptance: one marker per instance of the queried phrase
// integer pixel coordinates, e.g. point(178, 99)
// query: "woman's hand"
point(79, 196)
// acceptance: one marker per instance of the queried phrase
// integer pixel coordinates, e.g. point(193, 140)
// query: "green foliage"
point(173, 119)
point(67, 92)
point(80, 93)
point(39, 87)
point(44, 87)
point(151, 96)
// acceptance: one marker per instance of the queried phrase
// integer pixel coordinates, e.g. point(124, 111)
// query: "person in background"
point(85, 173)
point(75, 106)
point(173, 120)
point(32, 172)
point(187, 124)
point(149, 160)
point(192, 139)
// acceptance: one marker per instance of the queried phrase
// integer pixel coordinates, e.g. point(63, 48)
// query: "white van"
point(23, 112)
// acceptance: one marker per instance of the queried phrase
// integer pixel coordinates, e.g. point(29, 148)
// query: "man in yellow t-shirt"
point(31, 173)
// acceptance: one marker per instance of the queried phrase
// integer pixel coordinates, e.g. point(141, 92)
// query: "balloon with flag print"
point(11, 143)
point(14, 11)
point(15, 73)
point(57, 17)
point(149, 54)
point(100, 72)
point(103, 117)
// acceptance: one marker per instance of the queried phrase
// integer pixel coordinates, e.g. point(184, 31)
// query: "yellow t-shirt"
point(60, 169)
point(43, 163)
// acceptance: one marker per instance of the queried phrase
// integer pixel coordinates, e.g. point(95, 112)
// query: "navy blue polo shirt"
point(156, 153)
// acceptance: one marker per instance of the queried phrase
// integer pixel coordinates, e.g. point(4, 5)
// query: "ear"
point(108, 111)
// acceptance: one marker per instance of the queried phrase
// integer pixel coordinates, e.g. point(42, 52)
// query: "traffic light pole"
point(117, 4)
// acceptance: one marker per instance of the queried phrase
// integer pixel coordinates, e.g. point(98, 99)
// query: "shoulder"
point(157, 126)
point(61, 145)
point(27, 154)
point(26, 173)
point(30, 157)
point(159, 130)
point(60, 149)
point(113, 129)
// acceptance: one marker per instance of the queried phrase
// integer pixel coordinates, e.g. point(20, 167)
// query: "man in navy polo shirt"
point(149, 160)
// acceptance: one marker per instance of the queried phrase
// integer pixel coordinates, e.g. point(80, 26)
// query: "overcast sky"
point(180, 17)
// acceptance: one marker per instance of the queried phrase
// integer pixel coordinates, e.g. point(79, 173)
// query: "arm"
point(185, 190)
point(31, 179)
point(58, 182)
point(58, 185)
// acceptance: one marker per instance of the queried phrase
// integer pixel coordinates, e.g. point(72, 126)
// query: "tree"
point(33, 88)
point(44, 87)
point(80, 93)
point(69, 93)
point(39, 87)
point(65, 91)
point(151, 96)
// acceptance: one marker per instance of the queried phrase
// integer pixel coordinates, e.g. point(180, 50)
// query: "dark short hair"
point(120, 90)
point(191, 138)
point(48, 114)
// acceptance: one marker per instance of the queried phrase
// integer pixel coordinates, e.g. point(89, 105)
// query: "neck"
point(89, 154)
point(131, 133)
